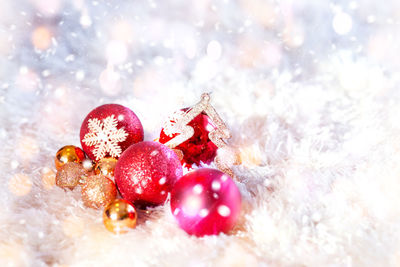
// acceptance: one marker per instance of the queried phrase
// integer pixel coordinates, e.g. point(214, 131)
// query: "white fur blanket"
point(309, 90)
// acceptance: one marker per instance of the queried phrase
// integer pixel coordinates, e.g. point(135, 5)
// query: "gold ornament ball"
point(88, 164)
point(70, 174)
point(68, 154)
point(119, 216)
point(98, 191)
point(106, 166)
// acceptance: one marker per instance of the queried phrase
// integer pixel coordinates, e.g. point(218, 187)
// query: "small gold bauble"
point(106, 166)
point(98, 191)
point(68, 154)
point(69, 175)
point(119, 216)
point(88, 164)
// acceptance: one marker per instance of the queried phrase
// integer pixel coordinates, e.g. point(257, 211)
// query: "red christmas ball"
point(205, 202)
point(108, 130)
point(146, 172)
point(199, 148)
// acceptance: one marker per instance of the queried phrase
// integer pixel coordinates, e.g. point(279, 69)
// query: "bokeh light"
point(13, 253)
point(48, 8)
point(20, 184)
point(27, 80)
point(48, 178)
point(27, 148)
point(85, 20)
point(116, 52)
point(342, 23)
point(41, 38)
point(262, 11)
point(5, 43)
point(110, 81)
point(123, 31)
point(214, 50)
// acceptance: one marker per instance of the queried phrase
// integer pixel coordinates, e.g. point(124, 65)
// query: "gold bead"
point(106, 166)
point(88, 164)
point(98, 191)
point(119, 216)
point(68, 154)
point(69, 175)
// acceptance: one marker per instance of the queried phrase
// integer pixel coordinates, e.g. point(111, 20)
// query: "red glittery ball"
point(108, 130)
point(199, 148)
point(146, 172)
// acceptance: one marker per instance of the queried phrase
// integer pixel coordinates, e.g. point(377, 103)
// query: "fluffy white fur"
point(316, 124)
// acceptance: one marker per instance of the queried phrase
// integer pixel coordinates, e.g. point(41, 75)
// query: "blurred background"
point(310, 82)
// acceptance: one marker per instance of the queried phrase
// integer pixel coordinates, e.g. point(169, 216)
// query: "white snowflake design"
point(105, 136)
point(171, 126)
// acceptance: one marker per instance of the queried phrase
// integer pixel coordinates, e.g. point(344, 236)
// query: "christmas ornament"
point(198, 148)
point(105, 166)
point(88, 164)
point(146, 172)
point(108, 130)
point(119, 216)
point(197, 132)
point(70, 174)
point(98, 191)
point(205, 202)
point(68, 154)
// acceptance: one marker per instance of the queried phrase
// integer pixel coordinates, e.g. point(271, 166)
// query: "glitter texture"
point(108, 130)
point(98, 191)
point(70, 174)
point(146, 172)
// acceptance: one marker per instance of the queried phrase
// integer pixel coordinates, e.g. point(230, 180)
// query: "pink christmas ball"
point(146, 172)
point(108, 130)
point(205, 202)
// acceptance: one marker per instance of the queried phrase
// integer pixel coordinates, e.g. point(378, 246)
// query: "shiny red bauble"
point(205, 202)
point(146, 172)
point(108, 130)
point(199, 148)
